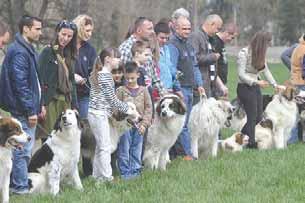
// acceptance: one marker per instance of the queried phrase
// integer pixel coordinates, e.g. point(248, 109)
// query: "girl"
point(250, 63)
point(102, 100)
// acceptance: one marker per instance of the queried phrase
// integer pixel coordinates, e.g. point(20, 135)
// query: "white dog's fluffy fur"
point(11, 136)
point(280, 117)
point(57, 160)
point(206, 120)
point(164, 131)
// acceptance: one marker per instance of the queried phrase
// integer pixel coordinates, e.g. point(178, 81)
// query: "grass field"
point(250, 176)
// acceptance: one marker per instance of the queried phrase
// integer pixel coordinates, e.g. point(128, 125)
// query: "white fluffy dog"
point(279, 118)
point(235, 143)
point(206, 120)
point(164, 131)
point(11, 136)
point(57, 160)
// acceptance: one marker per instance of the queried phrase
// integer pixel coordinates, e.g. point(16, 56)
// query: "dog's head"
point(236, 142)
point(11, 133)
point(169, 106)
point(289, 93)
point(66, 120)
point(228, 110)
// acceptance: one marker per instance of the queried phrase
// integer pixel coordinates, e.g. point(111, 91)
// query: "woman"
point(56, 72)
point(84, 63)
point(250, 63)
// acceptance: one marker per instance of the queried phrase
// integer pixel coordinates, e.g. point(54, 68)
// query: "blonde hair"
point(81, 21)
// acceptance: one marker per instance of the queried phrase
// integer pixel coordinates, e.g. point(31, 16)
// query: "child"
point(130, 145)
point(101, 102)
point(118, 76)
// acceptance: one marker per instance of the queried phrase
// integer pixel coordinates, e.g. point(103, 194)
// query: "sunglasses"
point(66, 24)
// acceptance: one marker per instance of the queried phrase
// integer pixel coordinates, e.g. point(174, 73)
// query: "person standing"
point(183, 59)
point(56, 72)
point(205, 56)
point(251, 62)
point(84, 62)
point(20, 94)
point(4, 39)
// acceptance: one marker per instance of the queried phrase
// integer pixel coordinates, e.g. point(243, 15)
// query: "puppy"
point(164, 131)
point(206, 120)
point(57, 160)
point(235, 143)
point(11, 136)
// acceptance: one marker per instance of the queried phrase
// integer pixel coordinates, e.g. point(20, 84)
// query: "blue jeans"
point(184, 137)
point(21, 159)
point(294, 137)
point(129, 154)
point(83, 104)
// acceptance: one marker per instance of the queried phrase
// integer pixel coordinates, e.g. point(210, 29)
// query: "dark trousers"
point(251, 99)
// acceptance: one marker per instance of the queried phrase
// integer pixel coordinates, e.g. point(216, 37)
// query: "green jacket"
point(48, 74)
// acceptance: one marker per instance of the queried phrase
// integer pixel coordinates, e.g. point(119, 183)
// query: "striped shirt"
point(103, 97)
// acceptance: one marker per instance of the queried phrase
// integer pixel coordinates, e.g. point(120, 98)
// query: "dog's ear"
point(3, 137)
point(181, 107)
point(158, 107)
point(267, 123)
point(289, 93)
point(239, 138)
point(57, 125)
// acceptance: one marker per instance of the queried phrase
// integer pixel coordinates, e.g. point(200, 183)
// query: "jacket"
point(247, 74)
point(297, 67)
point(83, 67)
point(19, 84)
point(184, 60)
point(48, 73)
point(142, 101)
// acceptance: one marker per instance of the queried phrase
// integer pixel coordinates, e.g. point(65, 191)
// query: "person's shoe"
point(19, 192)
point(188, 158)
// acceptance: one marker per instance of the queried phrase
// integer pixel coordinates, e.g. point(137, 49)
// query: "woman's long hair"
point(258, 45)
point(70, 51)
point(100, 62)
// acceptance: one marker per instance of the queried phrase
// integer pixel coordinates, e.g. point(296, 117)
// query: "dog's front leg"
point(163, 160)
point(76, 179)
point(195, 147)
point(5, 190)
point(54, 177)
point(215, 145)
point(279, 140)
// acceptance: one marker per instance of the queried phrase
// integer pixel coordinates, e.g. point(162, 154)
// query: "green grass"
point(250, 176)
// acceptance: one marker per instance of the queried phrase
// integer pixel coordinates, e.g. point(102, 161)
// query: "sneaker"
point(19, 192)
point(188, 158)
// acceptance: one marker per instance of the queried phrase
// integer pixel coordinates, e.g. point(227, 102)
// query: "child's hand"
point(142, 129)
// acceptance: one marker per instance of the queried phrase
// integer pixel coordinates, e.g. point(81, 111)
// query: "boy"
point(131, 142)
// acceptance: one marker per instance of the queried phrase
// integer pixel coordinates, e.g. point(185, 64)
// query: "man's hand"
point(142, 129)
point(201, 91)
point(32, 120)
point(217, 55)
point(225, 91)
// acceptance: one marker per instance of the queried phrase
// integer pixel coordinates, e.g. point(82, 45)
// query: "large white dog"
point(57, 160)
point(11, 136)
point(206, 120)
point(279, 118)
point(164, 132)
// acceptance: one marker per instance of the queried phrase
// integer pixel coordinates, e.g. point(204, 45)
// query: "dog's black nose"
point(29, 139)
point(64, 118)
point(163, 113)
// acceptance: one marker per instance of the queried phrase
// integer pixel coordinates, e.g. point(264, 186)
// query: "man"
point(143, 31)
point(4, 39)
point(205, 56)
point(20, 94)
point(167, 75)
point(286, 55)
point(180, 12)
point(183, 59)
point(225, 36)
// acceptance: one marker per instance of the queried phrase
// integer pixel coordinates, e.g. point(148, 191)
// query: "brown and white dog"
point(280, 116)
point(164, 131)
point(11, 136)
point(235, 143)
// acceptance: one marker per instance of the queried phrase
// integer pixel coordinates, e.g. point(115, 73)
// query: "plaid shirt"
point(125, 49)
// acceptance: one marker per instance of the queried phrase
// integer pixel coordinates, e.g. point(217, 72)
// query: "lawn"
point(250, 176)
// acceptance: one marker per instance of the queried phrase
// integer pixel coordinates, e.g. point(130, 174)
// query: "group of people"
point(154, 60)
